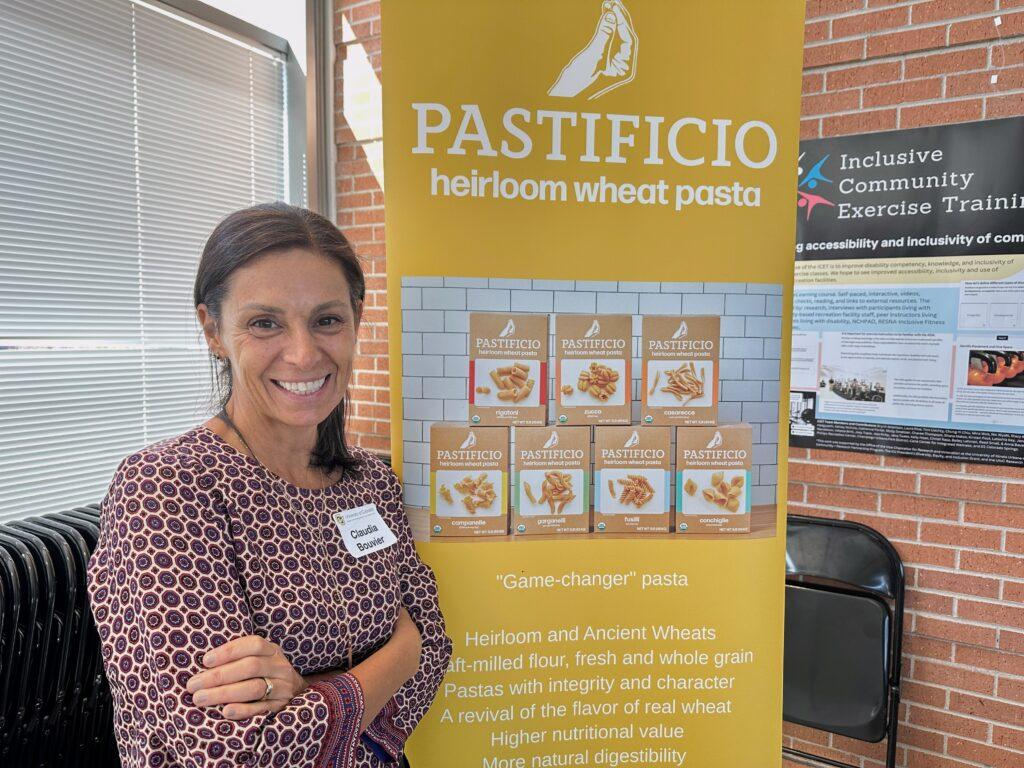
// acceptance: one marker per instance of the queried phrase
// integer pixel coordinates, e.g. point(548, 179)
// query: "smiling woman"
point(238, 624)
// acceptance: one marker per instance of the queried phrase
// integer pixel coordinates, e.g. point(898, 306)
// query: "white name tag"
point(363, 530)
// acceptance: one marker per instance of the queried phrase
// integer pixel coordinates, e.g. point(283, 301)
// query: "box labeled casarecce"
point(468, 480)
point(592, 373)
point(632, 477)
point(551, 481)
point(508, 362)
point(680, 370)
point(713, 479)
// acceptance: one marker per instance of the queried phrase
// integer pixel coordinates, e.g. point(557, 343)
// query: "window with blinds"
point(126, 132)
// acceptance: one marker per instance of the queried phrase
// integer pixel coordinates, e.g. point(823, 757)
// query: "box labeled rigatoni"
point(468, 480)
point(592, 368)
point(632, 478)
point(680, 370)
point(508, 362)
point(713, 478)
point(551, 480)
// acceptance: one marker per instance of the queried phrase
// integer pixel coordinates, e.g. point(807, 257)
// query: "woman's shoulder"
point(168, 465)
point(187, 449)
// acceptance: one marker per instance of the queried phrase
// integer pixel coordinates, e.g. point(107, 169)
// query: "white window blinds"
point(126, 132)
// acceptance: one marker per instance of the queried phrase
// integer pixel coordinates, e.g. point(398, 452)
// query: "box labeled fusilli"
point(632, 479)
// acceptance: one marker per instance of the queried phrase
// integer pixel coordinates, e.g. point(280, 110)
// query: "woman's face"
point(289, 330)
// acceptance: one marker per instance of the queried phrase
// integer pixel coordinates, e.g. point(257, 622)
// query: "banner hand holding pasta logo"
point(589, 222)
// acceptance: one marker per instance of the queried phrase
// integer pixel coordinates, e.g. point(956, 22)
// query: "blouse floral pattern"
point(200, 544)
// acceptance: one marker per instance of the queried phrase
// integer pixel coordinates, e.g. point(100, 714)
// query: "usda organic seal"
point(683, 526)
point(437, 529)
point(521, 528)
point(648, 419)
point(601, 526)
point(562, 419)
point(476, 419)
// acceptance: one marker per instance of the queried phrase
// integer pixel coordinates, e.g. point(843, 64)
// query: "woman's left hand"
point(234, 678)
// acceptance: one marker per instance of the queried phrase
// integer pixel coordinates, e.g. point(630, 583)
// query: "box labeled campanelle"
point(679, 381)
point(468, 480)
point(632, 478)
point(592, 368)
point(551, 481)
point(508, 368)
point(713, 478)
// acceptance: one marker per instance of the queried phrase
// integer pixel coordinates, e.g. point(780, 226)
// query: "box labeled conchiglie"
point(508, 362)
point(551, 480)
point(592, 368)
point(680, 370)
point(713, 479)
point(632, 479)
point(468, 480)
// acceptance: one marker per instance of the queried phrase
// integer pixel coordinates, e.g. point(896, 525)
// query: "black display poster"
point(908, 317)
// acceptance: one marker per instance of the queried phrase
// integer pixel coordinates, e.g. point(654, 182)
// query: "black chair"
point(89, 683)
point(70, 737)
point(98, 705)
point(55, 708)
point(27, 596)
point(63, 635)
point(24, 689)
point(844, 627)
point(10, 608)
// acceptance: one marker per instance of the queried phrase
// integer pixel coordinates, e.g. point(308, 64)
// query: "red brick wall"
point(872, 65)
point(869, 65)
point(361, 218)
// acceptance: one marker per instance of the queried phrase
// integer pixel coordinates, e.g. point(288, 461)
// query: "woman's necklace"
point(223, 416)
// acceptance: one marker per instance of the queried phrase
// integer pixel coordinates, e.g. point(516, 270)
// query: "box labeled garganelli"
point(632, 478)
point(592, 368)
point(680, 370)
point(508, 368)
point(551, 480)
point(713, 478)
point(468, 480)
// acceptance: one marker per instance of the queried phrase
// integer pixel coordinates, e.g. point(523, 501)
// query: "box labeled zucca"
point(551, 480)
point(468, 480)
point(592, 369)
point(713, 479)
point(632, 478)
point(680, 370)
point(508, 368)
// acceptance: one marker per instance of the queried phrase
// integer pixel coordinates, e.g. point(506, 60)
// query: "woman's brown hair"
point(244, 236)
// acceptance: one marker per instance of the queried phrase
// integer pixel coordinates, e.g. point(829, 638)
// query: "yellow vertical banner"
point(597, 159)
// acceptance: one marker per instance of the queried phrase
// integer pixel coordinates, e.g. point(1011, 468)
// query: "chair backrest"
point(844, 620)
point(847, 555)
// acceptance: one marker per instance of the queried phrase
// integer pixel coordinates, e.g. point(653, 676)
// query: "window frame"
point(301, 171)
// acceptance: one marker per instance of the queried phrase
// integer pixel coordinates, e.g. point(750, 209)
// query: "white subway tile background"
point(435, 352)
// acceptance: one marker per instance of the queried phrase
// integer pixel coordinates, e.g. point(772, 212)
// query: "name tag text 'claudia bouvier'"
point(363, 530)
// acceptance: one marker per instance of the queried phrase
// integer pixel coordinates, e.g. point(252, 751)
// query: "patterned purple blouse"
point(200, 545)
